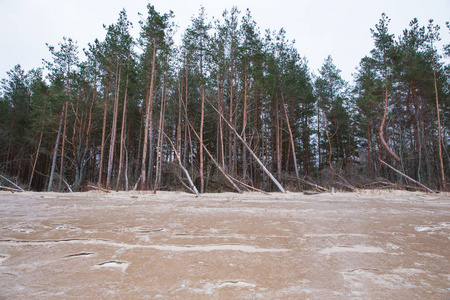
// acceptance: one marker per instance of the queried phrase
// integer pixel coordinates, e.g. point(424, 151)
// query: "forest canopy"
point(228, 108)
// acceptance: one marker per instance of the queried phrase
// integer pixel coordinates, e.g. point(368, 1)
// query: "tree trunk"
point(369, 145)
point(386, 146)
point(122, 136)
point(102, 147)
point(149, 105)
point(36, 159)
point(61, 169)
point(202, 119)
point(294, 156)
point(159, 151)
point(114, 127)
point(251, 152)
point(244, 124)
point(439, 127)
point(55, 151)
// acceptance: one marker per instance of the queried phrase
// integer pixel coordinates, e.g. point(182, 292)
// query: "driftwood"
point(406, 176)
point(314, 185)
point(193, 188)
point(68, 186)
point(250, 187)
point(311, 193)
point(19, 189)
point(9, 189)
point(98, 188)
point(280, 187)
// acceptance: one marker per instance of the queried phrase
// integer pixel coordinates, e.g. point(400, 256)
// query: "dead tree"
point(251, 151)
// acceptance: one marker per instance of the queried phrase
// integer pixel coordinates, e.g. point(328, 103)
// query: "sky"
point(340, 28)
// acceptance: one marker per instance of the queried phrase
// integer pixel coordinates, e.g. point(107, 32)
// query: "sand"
point(172, 245)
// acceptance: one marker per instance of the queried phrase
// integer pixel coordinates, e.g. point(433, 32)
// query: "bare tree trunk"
point(230, 136)
point(147, 117)
point(159, 151)
point(55, 151)
point(102, 148)
point(406, 176)
point(186, 128)
point(114, 128)
point(122, 135)
point(61, 168)
point(180, 113)
point(439, 127)
point(244, 124)
point(191, 183)
point(230, 180)
point(36, 159)
point(369, 162)
point(329, 140)
point(221, 156)
point(294, 156)
point(386, 146)
point(251, 152)
point(278, 140)
point(202, 119)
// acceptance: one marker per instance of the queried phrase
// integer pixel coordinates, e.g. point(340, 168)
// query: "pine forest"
point(227, 108)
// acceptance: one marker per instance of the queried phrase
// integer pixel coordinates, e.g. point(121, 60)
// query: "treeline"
point(229, 108)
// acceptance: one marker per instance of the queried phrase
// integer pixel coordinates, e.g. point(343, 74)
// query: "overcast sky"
point(340, 28)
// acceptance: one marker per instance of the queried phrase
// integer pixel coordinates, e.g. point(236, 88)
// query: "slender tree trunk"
point(369, 145)
point(202, 119)
point(180, 113)
point(386, 146)
point(191, 183)
point(61, 168)
point(102, 148)
point(244, 124)
point(55, 151)
point(36, 158)
point(294, 156)
point(251, 152)
point(278, 140)
point(230, 136)
point(147, 118)
point(114, 128)
point(159, 151)
point(122, 135)
point(221, 155)
point(185, 148)
point(439, 127)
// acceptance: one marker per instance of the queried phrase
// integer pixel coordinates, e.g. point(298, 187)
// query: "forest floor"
point(172, 245)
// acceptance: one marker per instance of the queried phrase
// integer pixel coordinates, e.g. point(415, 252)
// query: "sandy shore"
point(138, 245)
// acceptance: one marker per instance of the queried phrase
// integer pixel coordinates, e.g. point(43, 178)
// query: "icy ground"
point(137, 245)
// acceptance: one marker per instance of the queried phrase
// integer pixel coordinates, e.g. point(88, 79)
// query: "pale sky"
point(340, 28)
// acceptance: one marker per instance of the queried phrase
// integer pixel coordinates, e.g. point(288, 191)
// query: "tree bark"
point(55, 151)
point(383, 141)
point(122, 136)
point(160, 137)
point(439, 127)
point(61, 168)
point(102, 147)
point(114, 127)
point(202, 119)
point(36, 159)
point(294, 156)
point(148, 111)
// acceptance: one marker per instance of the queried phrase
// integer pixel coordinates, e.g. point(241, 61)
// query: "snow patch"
point(354, 248)
point(114, 264)
point(236, 283)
